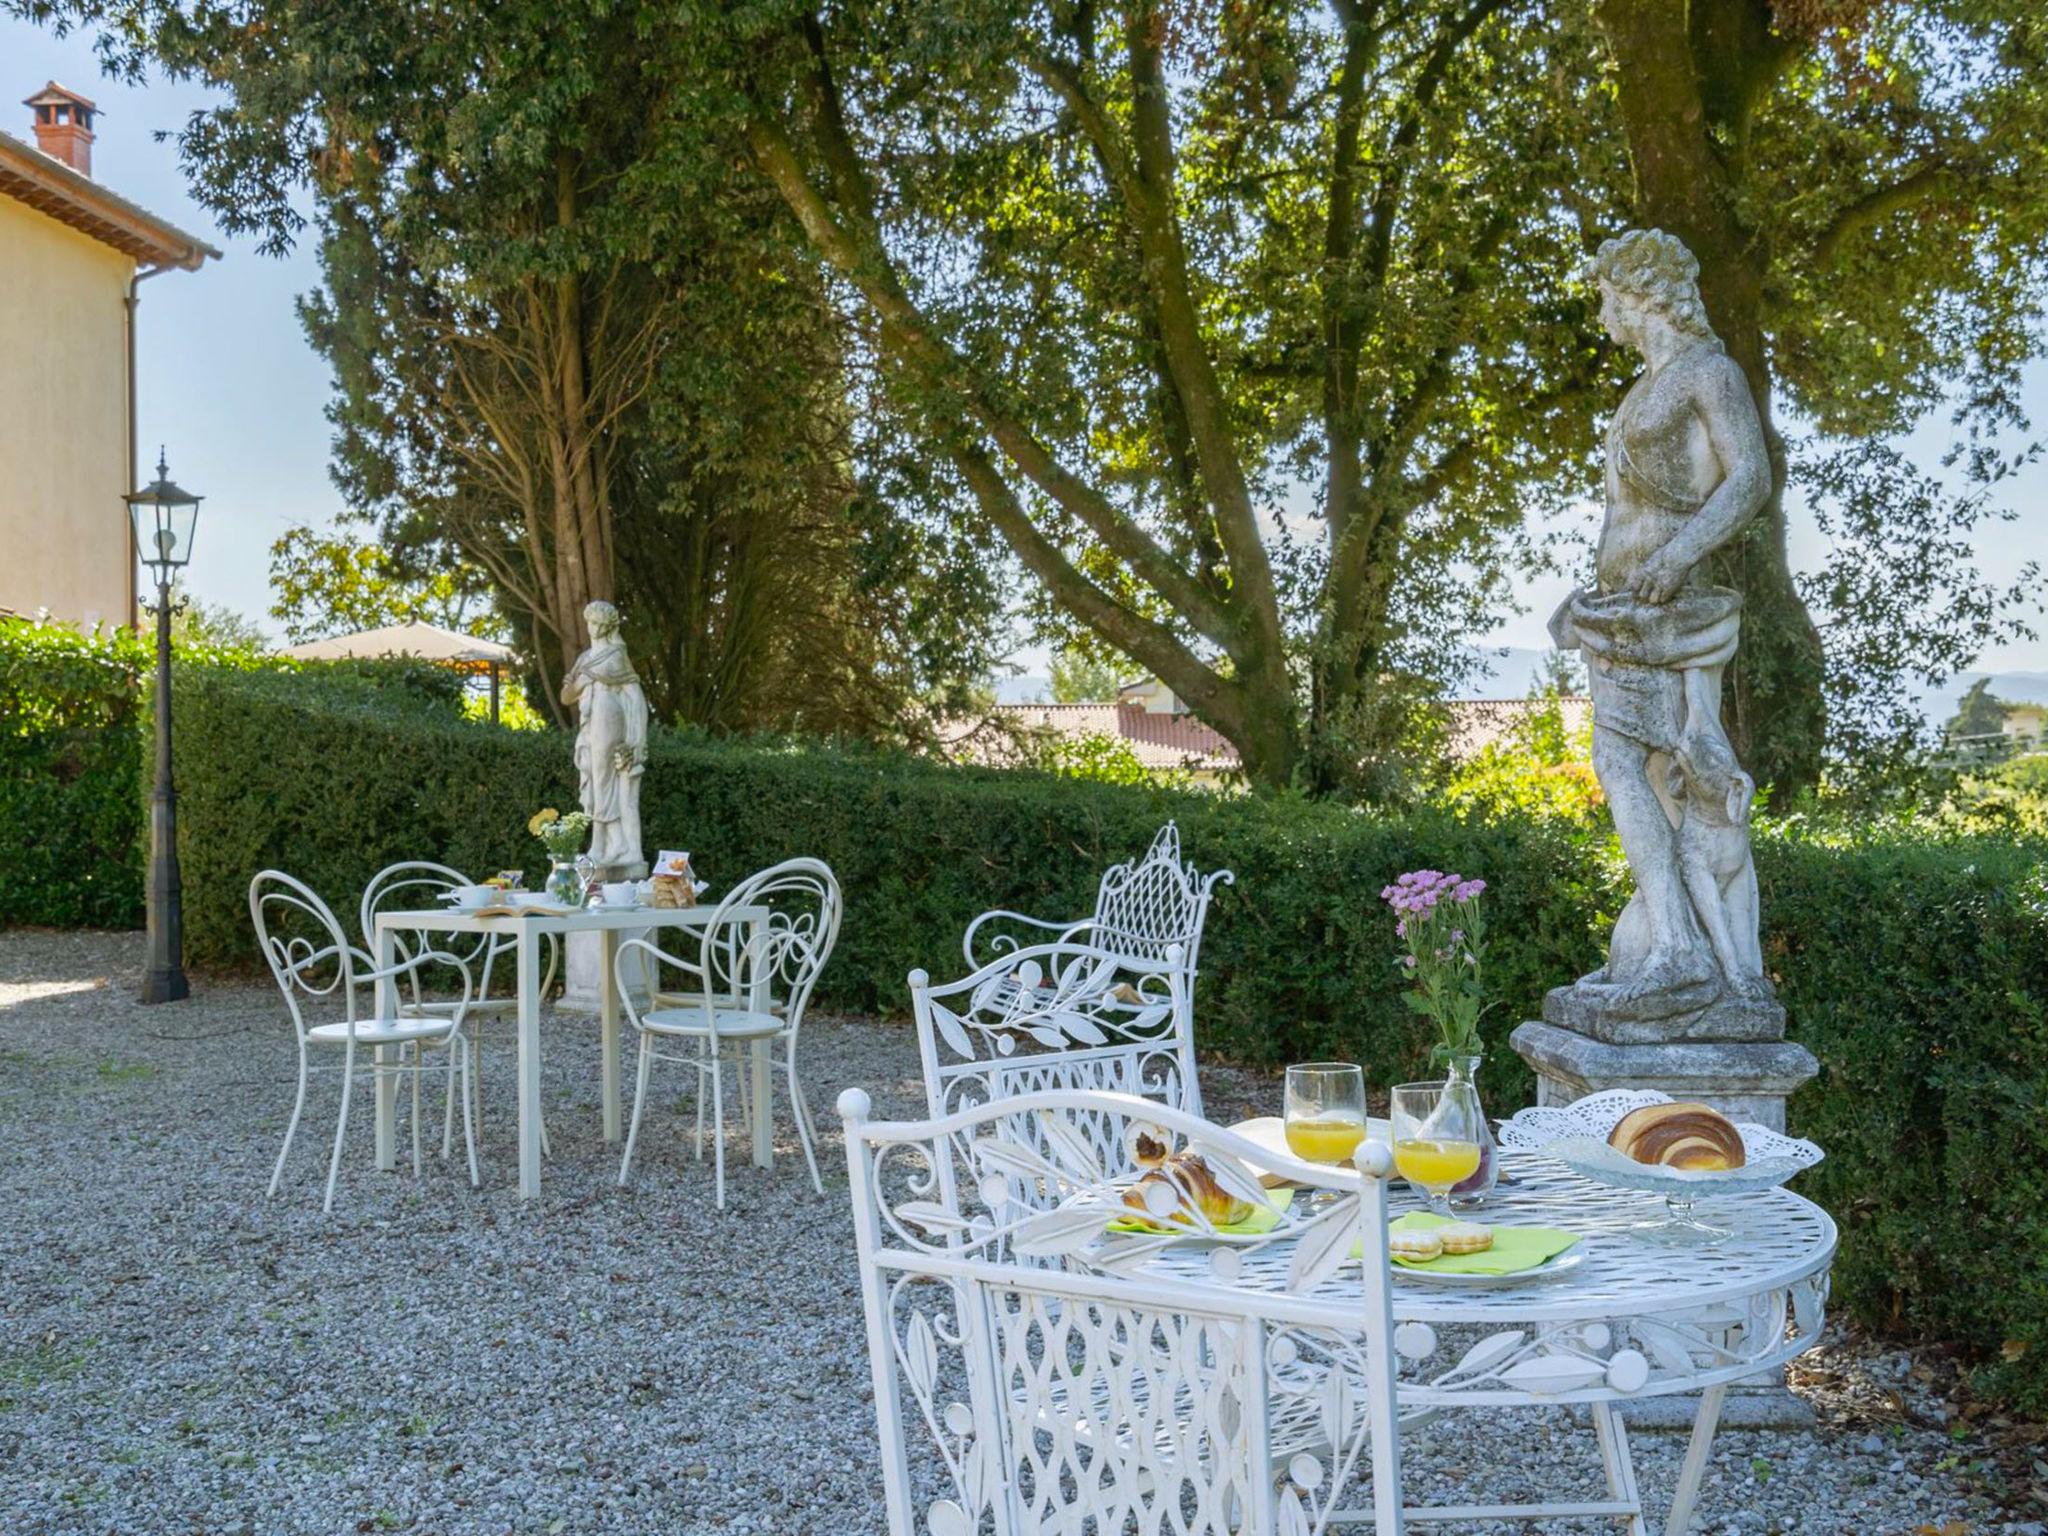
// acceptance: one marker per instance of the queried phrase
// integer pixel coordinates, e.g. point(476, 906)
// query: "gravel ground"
point(179, 1355)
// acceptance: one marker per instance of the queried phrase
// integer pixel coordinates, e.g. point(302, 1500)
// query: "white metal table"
point(1633, 1320)
point(528, 930)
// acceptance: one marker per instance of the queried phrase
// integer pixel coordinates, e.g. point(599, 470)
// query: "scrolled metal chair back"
point(1148, 906)
point(1051, 1375)
point(804, 909)
point(411, 885)
point(300, 937)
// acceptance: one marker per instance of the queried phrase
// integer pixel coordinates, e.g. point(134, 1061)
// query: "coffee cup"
point(475, 895)
point(618, 893)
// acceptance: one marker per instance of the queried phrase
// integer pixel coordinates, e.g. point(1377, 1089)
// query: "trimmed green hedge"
point(1917, 971)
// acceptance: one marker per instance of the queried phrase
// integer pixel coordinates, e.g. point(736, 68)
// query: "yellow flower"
point(542, 819)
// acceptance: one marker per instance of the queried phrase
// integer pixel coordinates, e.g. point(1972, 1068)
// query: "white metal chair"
point(734, 968)
point(1034, 1366)
point(413, 885)
point(1143, 909)
point(1059, 1015)
point(311, 958)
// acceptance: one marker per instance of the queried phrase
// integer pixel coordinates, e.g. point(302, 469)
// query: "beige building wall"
point(64, 540)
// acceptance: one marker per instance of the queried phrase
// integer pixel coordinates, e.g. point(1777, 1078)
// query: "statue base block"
point(1745, 1080)
point(583, 971)
point(1596, 1013)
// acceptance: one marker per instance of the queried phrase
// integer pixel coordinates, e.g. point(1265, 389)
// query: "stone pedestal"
point(1729, 1051)
point(583, 971)
point(1747, 1073)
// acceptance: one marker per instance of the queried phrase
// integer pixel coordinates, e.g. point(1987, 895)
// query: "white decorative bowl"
point(1576, 1135)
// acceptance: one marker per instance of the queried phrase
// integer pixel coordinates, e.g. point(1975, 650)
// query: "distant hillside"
point(1509, 672)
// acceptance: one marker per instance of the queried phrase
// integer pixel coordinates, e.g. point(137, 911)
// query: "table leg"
point(608, 1031)
point(758, 1001)
point(529, 1062)
point(1621, 1468)
point(386, 1002)
point(1688, 1491)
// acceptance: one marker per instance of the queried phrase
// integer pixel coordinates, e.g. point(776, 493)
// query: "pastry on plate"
point(1688, 1136)
point(1177, 1186)
point(1465, 1237)
point(1416, 1247)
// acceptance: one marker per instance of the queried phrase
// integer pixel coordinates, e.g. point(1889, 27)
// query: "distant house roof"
point(1156, 740)
point(429, 642)
point(49, 186)
point(1160, 740)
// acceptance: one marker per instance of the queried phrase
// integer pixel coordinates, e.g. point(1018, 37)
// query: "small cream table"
point(528, 930)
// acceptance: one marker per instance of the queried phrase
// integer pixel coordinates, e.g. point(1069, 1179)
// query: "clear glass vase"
point(1474, 1191)
point(564, 884)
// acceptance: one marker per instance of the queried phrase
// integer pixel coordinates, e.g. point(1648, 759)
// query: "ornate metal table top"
point(1779, 1239)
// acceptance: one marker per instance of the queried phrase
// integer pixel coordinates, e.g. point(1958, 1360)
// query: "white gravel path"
point(178, 1355)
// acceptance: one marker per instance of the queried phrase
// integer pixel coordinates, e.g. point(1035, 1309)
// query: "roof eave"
point(52, 188)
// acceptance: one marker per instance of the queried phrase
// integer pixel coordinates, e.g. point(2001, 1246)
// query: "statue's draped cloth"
point(614, 717)
point(1636, 653)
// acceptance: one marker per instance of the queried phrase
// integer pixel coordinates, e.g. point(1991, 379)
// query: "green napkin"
point(1514, 1248)
point(1262, 1219)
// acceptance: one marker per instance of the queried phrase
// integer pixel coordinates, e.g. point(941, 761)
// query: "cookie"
point(1415, 1247)
point(1465, 1237)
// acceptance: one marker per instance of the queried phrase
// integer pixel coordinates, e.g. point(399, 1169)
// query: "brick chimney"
point(63, 126)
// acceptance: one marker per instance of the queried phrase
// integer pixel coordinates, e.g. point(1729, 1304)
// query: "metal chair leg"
point(639, 1107)
point(418, 1059)
point(348, 1077)
point(290, 1130)
point(718, 1121)
point(802, 1111)
point(468, 1125)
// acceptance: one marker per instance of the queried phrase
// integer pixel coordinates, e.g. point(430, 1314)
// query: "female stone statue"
point(611, 743)
point(1687, 467)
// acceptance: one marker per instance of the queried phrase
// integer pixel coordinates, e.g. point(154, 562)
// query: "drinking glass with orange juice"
point(1325, 1115)
point(1436, 1137)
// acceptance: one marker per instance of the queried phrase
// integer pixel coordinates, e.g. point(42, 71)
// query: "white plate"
point(1561, 1264)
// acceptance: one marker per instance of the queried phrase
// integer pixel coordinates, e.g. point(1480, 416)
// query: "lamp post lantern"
point(164, 518)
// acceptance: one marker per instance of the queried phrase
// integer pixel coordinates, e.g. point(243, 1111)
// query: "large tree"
point(1224, 319)
point(575, 347)
point(1149, 270)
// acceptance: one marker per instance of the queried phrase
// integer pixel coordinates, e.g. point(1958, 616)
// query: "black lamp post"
point(165, 519)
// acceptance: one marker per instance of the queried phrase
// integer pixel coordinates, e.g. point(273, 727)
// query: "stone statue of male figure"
point(1687, 467)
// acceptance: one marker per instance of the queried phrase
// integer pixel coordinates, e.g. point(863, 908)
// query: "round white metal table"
point(1632, 1320)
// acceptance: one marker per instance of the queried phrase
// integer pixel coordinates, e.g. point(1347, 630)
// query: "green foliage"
point(75, 750)
point(1915, 966)
point(1981, 713)
point(1083, 675)
point(71, 762)
point(331, 584)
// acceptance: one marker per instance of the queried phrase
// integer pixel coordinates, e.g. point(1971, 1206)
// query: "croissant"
point(1193, 1186)
point(1679, 1136)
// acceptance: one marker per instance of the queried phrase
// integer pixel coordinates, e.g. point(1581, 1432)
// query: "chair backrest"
point(300, 937)
point(1065, 1015)
point(1148, 906)
point(804, 908)
point(1114, 1384)
point(414, 885)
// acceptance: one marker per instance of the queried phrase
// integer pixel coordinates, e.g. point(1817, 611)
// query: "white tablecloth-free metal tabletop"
point(1633, 1319)
point(527, 930)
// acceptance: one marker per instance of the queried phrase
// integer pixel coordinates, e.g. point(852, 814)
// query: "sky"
point(227, 383)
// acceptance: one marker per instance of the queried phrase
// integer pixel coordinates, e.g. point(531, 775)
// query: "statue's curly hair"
point(1655, 269)
point(600, 616)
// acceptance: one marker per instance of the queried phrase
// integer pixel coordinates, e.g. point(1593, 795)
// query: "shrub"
point(1914, 967)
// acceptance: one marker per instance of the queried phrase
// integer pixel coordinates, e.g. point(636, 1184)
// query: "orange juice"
point(1436, 1164)
point(1329, 1140)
